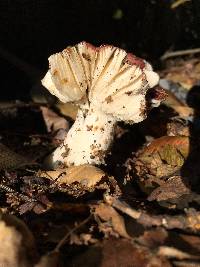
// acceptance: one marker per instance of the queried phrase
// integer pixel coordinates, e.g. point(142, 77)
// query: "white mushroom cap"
point(107, 77)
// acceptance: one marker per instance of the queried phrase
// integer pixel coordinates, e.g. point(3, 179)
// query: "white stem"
point(87, 141)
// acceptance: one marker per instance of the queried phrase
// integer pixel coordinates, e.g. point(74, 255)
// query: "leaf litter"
point(141, 209)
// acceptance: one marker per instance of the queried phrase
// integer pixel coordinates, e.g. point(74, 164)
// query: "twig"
point(178, 3)
point(171, 252)
point(125, 208)
point(180, 53)
point(64, 239)
point(186, 263)
point(190, 221)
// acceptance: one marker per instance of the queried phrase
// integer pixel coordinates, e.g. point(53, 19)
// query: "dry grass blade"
point(180, 52)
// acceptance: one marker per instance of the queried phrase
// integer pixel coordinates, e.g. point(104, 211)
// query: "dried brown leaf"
point(112, 223)
point(192, 240)
point(172, 100)
point(171, 252)
point(178, 128)
point(154, 237)
point(173, 188)
point(193, 219)
point(82, 239)
point(118, 253)
point(183, 111)
point(86, 175)
point(180, 143)
point(68, 109)
point(161, 158)
point(53, 121)
point(174, 193)
point(178, 106)
point(186, 73)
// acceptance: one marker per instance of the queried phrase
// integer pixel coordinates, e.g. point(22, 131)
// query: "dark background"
point(31, 30)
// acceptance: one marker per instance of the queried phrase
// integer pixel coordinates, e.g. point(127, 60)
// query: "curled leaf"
point(161, 158)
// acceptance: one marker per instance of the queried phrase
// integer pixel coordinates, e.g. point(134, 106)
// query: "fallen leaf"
point(186, 73)
point(171, 99)
point(82, 239)
point(171, 252)
point(60, 135)
point(173, 188)
point(178, 128)
point(118, 253)
point(87, 175)
point(67, 109)
point(113, 223)
point(174, 193)
point(192, 240)
point(184, 112)
point(161, 158)
point(53, 121)
point(153, 238)
point(79, 180)
point(193, 219)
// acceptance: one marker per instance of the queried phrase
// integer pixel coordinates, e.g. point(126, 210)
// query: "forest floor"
point(141, 209)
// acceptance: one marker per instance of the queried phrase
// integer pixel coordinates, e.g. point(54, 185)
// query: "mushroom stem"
point(87, 141)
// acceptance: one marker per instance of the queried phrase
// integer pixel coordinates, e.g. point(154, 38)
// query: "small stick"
point(64, 239)
point(186, 263)
point(171, 252)
point(180, 53)
point(178, 3)
point(125, 208)
point(189, 222)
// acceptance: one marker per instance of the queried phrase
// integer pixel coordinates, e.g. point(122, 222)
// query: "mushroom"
point(108, 85)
